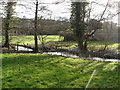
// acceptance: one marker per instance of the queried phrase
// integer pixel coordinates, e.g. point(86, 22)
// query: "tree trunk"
point(79, 28)
point(43, 46)
point(35, 30)
point(9, 11)
point(83, 52)
point(6, 44)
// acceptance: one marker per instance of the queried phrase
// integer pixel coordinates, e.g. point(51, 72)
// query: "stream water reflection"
point(75, 56)
point(65, 54)
point(20, 48)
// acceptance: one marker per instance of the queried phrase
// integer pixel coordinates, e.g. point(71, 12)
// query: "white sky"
point(63, 9)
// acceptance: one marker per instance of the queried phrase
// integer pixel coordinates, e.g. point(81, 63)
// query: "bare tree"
point(35, 30)
point(86, 36)
point(36, 8)
point(9, 10)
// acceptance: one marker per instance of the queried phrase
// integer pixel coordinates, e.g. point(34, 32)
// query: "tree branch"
point(93, 31)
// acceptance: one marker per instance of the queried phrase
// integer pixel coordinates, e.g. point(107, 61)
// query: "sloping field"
point(46, 71)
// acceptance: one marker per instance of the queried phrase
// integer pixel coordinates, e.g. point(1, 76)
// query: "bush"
point(68, 35)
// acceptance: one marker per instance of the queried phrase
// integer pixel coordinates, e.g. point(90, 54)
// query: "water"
point(75, 56)
point(20, 48)
point(62, 54)
point(107, 60)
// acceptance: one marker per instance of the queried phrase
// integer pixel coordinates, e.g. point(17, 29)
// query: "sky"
point(63, 9)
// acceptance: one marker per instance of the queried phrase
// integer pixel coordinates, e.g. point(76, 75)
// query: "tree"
point(35, 25)
point(78, 18)
point(78, 25)
point(93, 24)
point(107, 14)
point(9, 10)
point(37, 8)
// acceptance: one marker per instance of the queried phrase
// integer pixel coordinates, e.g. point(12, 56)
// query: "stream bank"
point(71, 53)
point(64, 54)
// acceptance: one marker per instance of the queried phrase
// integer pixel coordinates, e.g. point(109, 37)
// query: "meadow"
point(56, 40)
point(47, 71)
point(50, 71)
point(29, 39)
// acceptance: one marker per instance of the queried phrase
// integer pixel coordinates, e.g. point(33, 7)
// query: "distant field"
point(92, 45)
point(46, 71)
point(51, 39)
point(30, 39)
point(97, 45)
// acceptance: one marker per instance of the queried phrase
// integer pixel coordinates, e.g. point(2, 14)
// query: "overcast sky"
point(63, 9)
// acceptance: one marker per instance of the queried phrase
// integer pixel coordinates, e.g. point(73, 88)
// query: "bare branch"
point(50, 3)
point(27, 7)
point(93, 31)
point(98, 4)
point(104, 11)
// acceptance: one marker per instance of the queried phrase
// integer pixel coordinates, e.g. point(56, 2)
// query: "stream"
point(77, 57)
point(65, 54)
point(21, 48)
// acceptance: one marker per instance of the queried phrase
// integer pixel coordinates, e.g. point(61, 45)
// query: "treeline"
point(55, 27)
point(45, 26)
point(81, 26)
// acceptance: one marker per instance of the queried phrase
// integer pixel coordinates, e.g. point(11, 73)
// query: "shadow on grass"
point(46, 71)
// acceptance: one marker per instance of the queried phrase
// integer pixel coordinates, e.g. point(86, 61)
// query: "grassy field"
point(58, 41)
point(46, 71)
point(30, 39)
point(92, 45)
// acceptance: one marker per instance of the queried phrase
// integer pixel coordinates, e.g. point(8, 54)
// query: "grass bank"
point(46, 71)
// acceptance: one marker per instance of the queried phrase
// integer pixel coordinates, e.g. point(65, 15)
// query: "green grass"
point(97, 45)
point(29, 39)
point(46, 71)
point(52, 39)
point(92, 45)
